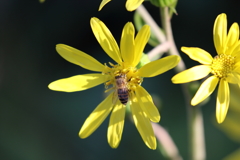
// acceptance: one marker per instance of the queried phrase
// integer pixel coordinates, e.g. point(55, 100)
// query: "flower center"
point(128, 75)
point(222, 65)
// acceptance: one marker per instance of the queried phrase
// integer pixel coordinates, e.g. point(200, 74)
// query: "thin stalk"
point(195, 120)
point(150, 21)
point(158, 50)
point(167, 146)
point(166, 22)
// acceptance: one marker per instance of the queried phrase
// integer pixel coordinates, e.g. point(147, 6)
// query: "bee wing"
point(115, 97)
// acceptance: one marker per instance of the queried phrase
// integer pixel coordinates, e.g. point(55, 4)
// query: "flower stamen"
point(131, 77)
point(222, 65)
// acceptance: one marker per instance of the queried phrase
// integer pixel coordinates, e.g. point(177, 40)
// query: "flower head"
point(131, 5)
point(224, 68)
point(124, 78)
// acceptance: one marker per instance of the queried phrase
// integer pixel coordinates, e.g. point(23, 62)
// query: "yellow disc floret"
point(222, 65)
point(132, 78)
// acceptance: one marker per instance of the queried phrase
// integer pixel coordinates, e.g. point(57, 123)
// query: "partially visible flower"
point(131, 5)
point(232, 122)
point(233, 156)
point(225, 67)
point(127, 57)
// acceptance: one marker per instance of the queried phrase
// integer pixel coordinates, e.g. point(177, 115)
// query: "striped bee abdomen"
point(122, 89)
point(123, 95)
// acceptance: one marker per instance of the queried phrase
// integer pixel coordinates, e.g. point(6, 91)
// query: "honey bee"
point(121, 91)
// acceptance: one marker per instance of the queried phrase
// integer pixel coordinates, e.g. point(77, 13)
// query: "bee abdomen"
point(123, 96)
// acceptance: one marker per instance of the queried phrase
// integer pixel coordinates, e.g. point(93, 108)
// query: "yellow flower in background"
point(131, 5)
point(225, 67)
point(233, 156)
point(127, 57)
point(232, 122)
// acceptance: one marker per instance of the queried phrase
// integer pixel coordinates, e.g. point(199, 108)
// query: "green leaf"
point(144, 60)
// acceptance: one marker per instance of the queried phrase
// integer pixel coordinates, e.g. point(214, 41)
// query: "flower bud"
point(166, 3)
point(163, 3)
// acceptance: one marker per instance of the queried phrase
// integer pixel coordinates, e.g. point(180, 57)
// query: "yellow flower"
point(127, 57)
point(225, 67)
point(232, 122)
point(130, 4)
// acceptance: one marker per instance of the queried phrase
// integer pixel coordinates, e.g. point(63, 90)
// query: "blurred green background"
point(37, 123)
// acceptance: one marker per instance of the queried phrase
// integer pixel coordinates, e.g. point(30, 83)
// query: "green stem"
point(195, 120)
point(149, 20)
point(158, 51)
point(165, 17)
point(167, 147)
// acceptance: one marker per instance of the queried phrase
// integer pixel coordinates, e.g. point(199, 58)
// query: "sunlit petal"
point(236, 153)
point(78, 83)
point(79, 58)
point(140, 42)
point(236, 52)
point(116, 124)
point(192, 74)
point(232, 37)
point(232, 49)
point(131, 5)
point(237, 64)
point(220, 32)
point(198, 54)
point(231, 125)
point(160, 66)
point(105, 39)
point(233, 78)
point(223, 99)
point(103, 3)
point(147, 105)
point(127, 43)
point(96, 118)
point(206, 89)
point(143, 124)
point(234, 101)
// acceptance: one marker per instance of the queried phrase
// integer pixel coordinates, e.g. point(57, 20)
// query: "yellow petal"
point(237, 68)
point(78, 83)
point(233, 35)
point(234, 155)
point(237, 63)
point(231, 50)
point(231, 126)
point(103, 3)
point(105, 39)
point(192, 74)
point(140, 42)
point(233, 78)
point(79, 58)
point(206, 89)
point(147, 105)
point(235, 101)
point(96, 118)
point(116, 124)
point(236, 51)
point(131, 5)
point(198, 54)
point(143, 124)
point(160, 66)
point(127, 43)
point(222, 101)
point(220, 32)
